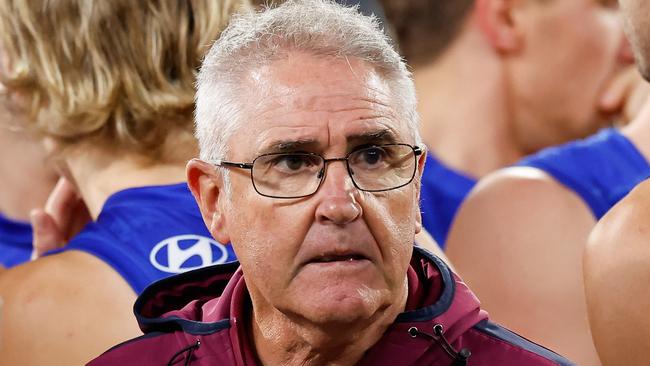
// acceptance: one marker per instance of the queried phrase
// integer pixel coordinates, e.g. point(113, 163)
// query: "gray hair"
point(318, 27)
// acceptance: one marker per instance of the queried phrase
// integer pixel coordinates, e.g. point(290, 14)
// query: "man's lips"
point(325, 246)
point(338, 258)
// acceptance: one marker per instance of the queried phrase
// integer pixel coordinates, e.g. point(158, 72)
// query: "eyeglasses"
point(295, 175)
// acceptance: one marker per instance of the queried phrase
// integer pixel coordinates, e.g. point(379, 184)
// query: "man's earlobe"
point(418, 220)
point(218, 227)
point(497, 21)
point(206, 184)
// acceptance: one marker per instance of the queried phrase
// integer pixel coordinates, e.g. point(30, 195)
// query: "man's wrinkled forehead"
point(302, 90)
point(303, 72)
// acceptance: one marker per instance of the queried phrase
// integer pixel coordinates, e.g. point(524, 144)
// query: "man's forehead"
point(302, 97)
point(294, 67)
point(300, 80)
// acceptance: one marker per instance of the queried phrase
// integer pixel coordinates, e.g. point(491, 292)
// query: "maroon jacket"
point(197, 319)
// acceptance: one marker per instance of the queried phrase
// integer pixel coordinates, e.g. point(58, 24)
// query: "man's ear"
point(498, 21)
point(418, 220)
point(418, 214)
point(206, 184)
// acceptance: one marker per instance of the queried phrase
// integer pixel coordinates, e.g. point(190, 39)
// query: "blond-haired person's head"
point(116, 74)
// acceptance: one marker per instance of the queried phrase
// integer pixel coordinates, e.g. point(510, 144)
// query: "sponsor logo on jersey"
point(183, 253)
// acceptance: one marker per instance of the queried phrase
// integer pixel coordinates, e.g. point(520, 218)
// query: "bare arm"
point(518, 242)
point(617, 274)
point(63, 310)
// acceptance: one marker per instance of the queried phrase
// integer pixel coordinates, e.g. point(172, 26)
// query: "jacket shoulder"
point(136, 351)
point(494, 342)
point(162, 348)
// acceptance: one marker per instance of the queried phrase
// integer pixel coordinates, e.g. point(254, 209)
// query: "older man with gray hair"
point(310, 165)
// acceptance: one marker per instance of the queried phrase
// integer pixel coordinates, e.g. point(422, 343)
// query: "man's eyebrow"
point(385, 136)
point(280, 146)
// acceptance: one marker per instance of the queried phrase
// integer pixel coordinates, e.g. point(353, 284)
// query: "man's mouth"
point(336, 261)
point(338, 258)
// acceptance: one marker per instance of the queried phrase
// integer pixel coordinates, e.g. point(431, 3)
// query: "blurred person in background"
point(498, 80)
point(27, 180)
point(109, 87)
point(617, 258)
point(527, 226)
point(22, 189)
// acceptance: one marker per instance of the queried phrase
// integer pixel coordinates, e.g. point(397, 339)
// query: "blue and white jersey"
point(443, 190)
point(149, 233)
point(601, 169)
point(15, 242)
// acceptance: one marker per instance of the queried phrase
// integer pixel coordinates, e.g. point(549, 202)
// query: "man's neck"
point(463, 104)
point(99, 174)
point(283, 340)
point(638, 131)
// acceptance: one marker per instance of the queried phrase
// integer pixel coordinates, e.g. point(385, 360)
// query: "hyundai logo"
point(184, 253)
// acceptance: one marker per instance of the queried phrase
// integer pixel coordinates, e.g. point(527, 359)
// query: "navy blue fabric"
point(149, 233)
point(443, 190)
point(514, 339)
point(15, 242)
point(601, 169)
point(446, 297)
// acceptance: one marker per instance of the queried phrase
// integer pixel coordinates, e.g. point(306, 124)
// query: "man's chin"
point(337, 276)
point(340, 292)
point(344, 304)
point(340, 315)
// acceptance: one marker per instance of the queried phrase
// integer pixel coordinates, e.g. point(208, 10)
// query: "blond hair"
point(118, 72)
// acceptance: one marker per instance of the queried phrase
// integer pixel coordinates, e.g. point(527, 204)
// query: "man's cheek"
point(387, 221)
point(395, 205)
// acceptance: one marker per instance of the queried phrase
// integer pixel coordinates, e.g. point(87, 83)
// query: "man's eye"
point(370, 156)
point(294, 163)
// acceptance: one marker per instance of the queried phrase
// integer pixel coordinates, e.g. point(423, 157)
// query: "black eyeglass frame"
point(417, 151)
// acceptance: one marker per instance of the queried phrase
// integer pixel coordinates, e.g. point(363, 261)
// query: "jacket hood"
point(175, 303)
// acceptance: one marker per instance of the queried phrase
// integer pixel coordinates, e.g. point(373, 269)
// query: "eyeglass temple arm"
point(417, 150)
point(236, 165)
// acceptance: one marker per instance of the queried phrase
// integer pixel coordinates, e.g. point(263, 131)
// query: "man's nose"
point(338, 197)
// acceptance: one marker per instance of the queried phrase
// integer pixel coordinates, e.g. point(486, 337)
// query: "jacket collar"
point(207, 300)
